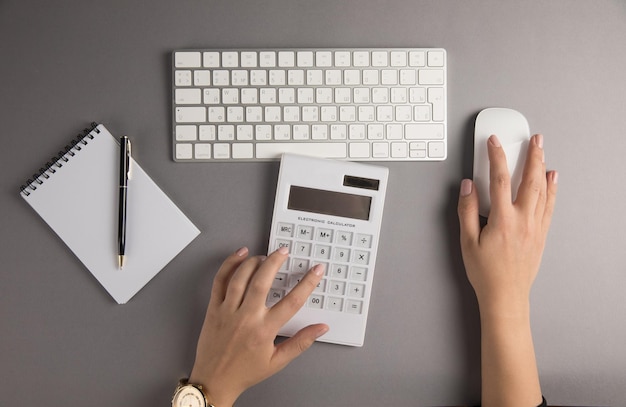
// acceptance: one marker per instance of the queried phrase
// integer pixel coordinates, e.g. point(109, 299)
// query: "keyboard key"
point(248, 59)
point(267, 59)
point(359, 150)
point(435, 58)
point(184, 151)
point(202, 151)
point(286, 59)
point(275, 150)
point(187, 59)
point(430, 77)
point(424, 131)
point(243, 150)
point(211, 59)
point(323, 59)
point(305, 59)
point(186, 132)
point(190, 114)
point(436, 149)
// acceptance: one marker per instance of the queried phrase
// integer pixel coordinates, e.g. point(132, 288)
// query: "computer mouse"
point(511, 128)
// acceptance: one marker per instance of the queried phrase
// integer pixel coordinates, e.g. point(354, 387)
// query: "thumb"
point(468, 212)
point(296, 345)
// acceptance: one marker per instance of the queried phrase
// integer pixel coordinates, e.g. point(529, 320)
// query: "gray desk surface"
point(561, 63)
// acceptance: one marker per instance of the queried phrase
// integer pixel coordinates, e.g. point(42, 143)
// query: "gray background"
point(66, 63)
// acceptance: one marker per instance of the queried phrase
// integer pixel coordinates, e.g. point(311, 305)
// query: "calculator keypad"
point(345, 255)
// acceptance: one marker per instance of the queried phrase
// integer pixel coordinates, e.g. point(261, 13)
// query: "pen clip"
point(128, 158)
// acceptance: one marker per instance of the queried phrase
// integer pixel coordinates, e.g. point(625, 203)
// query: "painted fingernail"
point(242, 251)
point(539, 140)
point(494, 141)
point(283, 250)
point(466, 187)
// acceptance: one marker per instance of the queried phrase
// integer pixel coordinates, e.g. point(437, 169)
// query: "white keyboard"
point(352, 104)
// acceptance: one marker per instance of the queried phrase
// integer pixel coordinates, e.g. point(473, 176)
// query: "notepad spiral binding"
point(59, 159)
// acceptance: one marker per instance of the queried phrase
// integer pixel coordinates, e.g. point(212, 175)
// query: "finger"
point(467, 210)
point(262, 280)
point(296, 345)
point(223, 275)
point(552, 179)
point(238, 284)
point(286, 308)
point(531, 192)
point(499, 177)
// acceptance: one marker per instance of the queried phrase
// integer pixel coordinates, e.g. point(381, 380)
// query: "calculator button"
point(302, 249)
point(337, 287)
point(280, 280)
point(361, 257)
point(275, 295)
point(294, 279)
point(356, 290)
point(354, 306)
point(321, 286)
point(285, 229)
point(315, 301)
point(339, 270)
point(305, 232)
point(358, 273)
point(324, 235)
point(342, 254)
point(344, 238)
point(334, 304)
point(283, 243)
point(322, 252)
point(364, 241)
point(300, 265)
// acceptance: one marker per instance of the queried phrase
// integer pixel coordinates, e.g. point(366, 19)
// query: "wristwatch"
point(189, 395)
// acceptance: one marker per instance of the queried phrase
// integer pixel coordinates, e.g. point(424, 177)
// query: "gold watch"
point(189, 395)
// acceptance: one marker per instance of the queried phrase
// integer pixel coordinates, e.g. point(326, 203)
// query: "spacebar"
point(325, 150)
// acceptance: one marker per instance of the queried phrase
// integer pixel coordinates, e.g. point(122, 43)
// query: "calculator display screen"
point(329, 202)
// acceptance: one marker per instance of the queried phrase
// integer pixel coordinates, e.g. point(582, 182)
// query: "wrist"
point(504, 306)
point(215, 394)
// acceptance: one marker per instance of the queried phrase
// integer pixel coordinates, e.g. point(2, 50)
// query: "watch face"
point(188, 396)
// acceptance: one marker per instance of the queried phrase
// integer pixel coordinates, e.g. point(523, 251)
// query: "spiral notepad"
point(76, 194)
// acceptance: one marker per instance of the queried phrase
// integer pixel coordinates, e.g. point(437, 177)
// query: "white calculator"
point(328, 212)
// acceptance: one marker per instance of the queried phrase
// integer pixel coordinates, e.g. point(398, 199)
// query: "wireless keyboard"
point(350, 104)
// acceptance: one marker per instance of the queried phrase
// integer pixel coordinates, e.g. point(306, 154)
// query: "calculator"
point(328, 212)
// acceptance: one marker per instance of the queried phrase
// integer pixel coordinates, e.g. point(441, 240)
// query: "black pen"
point(123, 198)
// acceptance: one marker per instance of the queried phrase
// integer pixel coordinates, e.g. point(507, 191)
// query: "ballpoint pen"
point(123, 198)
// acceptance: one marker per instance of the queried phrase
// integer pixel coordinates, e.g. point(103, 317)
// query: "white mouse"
point(511, 128)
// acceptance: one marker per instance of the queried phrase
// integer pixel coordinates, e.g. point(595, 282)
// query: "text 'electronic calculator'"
point(328, 212)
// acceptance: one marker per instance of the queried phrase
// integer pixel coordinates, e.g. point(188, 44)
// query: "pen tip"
point(120, 262)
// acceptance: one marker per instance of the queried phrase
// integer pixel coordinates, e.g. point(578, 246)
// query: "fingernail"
point(494, 141)
point(283, 250)
point(242, 251)
point(466, 187)
point(555, 177)
point(318, 270)
point(539, 140)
